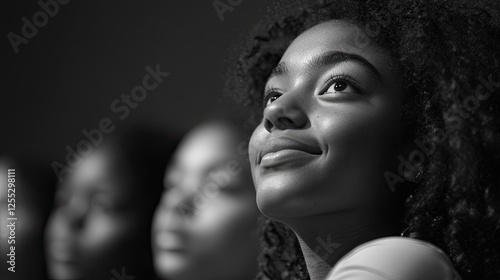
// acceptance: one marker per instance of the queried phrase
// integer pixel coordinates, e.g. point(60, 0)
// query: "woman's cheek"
point(104, 232)
point(256, 140)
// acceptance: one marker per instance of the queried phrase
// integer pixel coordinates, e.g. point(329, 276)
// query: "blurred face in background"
point(205, 226)
point(98, 223)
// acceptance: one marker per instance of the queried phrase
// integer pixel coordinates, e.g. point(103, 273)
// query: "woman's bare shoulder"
point(394, 258)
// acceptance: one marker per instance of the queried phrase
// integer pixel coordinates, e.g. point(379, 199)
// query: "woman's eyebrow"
point(330, 59)
point(280, 70)
point(218, 165)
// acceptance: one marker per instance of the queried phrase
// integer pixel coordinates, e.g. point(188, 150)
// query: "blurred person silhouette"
point(30, 200)
point(100, 225)
point(205, 225)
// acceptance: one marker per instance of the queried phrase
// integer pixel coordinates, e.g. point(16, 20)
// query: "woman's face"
point(205, 226)
point(330, 126)
point(96, 222)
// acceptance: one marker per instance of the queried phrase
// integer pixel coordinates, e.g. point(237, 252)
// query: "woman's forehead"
point(339, 36)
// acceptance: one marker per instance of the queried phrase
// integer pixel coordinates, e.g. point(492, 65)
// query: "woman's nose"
point(286, 112)
point(75, 212)
point(181, 198)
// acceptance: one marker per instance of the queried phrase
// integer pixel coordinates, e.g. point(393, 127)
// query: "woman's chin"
point(169, 265)
point(58, 270)
point(280, 202)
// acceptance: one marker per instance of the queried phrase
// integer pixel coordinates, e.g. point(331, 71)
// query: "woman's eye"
point(104, 204)
point(272, 99)
point(340, 87)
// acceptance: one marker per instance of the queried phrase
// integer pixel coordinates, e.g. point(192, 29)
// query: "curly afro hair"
point(448, 56)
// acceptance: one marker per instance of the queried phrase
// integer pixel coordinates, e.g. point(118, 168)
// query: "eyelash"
point(271, 92)
point(341, 77)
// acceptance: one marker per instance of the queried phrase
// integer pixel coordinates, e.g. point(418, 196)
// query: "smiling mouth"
point(62, 253)
point(286, 151)
point(286, 156)
point(170, 242)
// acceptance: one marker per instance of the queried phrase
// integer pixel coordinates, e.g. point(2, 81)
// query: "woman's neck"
point(327, 238)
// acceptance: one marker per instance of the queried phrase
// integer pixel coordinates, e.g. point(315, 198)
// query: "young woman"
point(100, 225)
point(205, 227)
point(367, 104)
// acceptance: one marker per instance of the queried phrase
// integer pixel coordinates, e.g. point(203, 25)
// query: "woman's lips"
point(62, 252)
point(168, 241)
point(284, 157)
point(286, 150)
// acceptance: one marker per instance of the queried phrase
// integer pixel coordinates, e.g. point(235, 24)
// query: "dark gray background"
point(91, 52)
